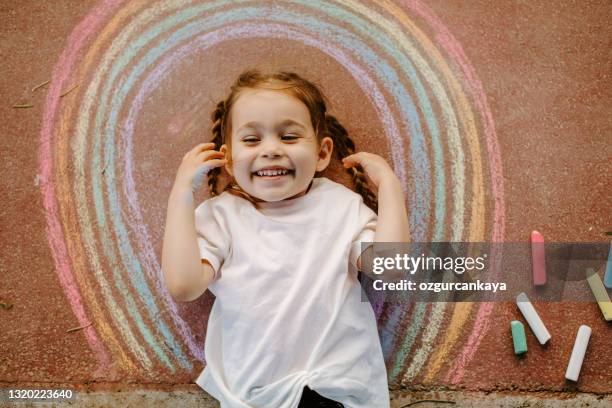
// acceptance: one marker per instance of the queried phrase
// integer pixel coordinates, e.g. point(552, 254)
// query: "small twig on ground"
point(427, 400)
point(23, 105)
point(40, 85)
point(69, 90)
point(78, 328)
point(105, 166)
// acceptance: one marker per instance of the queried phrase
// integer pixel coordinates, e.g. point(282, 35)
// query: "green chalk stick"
point(518, 337)
point(600, 293)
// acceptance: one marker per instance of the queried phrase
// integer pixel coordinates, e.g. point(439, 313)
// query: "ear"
point(228, 166)
point(325, 153)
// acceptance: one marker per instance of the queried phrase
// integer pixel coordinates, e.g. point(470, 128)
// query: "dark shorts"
point(312, 399)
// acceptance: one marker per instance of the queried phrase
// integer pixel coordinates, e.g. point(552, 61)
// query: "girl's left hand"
point(375, 167)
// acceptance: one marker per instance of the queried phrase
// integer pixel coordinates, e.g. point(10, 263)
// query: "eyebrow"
point(283, 125)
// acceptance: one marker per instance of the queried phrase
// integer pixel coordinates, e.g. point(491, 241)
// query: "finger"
point(348, 164)
point(204, 146)
point(209, 154)
point(200, 147)
point(352, 160)
point(355, 157)
point(211, 164)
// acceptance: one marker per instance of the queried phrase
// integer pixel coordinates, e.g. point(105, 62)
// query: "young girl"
point(278, 248)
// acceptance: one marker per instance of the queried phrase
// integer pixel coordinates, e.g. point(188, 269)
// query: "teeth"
point(272, 172)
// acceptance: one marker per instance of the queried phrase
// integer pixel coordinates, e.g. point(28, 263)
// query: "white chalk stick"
point(580, 346)
point(532, 317)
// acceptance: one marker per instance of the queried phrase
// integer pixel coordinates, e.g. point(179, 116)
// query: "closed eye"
point(250, 139)
point(255, 139)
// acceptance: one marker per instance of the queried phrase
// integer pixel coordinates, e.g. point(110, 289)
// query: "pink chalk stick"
point(538, 259)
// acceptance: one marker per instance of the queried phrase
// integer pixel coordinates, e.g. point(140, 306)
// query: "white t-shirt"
point(288, 310)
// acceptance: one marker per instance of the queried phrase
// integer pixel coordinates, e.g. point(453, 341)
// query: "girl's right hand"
point(196, 164)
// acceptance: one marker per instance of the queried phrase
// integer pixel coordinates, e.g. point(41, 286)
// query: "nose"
point(271, 148)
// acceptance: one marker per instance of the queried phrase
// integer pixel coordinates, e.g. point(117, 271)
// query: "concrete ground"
point(194, 397)
point(532, 79)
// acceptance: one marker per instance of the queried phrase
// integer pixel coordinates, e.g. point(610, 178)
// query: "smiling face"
point(274, 150)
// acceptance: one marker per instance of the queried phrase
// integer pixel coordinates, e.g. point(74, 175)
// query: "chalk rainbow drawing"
point(101, 247)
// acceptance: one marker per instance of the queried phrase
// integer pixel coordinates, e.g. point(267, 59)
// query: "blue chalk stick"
point(608, 274)
point(518, 337)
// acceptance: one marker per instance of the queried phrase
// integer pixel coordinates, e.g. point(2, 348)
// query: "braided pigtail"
point(217, 131)
point(344, 146)
point(219, 118)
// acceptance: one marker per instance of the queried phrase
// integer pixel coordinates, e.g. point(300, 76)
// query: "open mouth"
point(273, 172)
